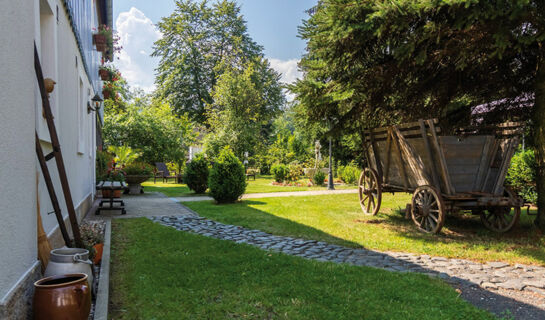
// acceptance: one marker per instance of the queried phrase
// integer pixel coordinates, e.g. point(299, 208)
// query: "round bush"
point(196, 174)
point(349, 173)
point(227, 180)
point(280, 172)
point(522, 175)
point(319, 178)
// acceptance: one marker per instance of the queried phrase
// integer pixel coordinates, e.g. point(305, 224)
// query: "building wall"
point(23, 191)
point(17, 146)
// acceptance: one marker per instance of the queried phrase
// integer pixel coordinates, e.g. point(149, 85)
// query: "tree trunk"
point(539, 122)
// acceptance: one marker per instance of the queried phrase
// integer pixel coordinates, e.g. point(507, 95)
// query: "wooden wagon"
point(446, 174)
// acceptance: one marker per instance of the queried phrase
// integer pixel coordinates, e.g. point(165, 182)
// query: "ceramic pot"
point(99, 247)
point(66, 296)
point(107, 193)
point(69, 260)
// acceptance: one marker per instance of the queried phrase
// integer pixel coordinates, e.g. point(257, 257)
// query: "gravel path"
point(495, 286)
point(271, 195)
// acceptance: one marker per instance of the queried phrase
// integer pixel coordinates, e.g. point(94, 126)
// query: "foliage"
point(318, 178)
point(103, 161)
point(115, 175)
point(153, 129)
point(349, 173)
point(522, 174)
point(196, 174)
point(124, 155)
point(242, 107)
point(280, 172)
point(113, 73)
point(295, 170)
point(227, 179)
point(138, 169)
point(200, 42)
point(92, 233)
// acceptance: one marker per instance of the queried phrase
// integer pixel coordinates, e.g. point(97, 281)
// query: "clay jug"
point(62, 297)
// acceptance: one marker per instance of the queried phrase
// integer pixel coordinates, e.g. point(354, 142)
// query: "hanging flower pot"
point(106, 93)
point(100, 42)
point(104, 74)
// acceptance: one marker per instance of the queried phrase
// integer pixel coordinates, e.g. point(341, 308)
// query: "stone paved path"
point(490, 275)
point(271, 195)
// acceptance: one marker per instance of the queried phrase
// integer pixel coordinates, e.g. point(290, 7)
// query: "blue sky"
point(271, 23)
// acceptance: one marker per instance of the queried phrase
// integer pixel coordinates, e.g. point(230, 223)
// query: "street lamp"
point(330, 185)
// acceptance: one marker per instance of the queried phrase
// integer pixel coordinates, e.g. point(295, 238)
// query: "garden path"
point(271, 195)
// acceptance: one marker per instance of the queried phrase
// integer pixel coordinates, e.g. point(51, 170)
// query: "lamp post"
point(330, 185)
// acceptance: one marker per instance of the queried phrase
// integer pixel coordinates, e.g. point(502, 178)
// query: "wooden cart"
point(445, 174)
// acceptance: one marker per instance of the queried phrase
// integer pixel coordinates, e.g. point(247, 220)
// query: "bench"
point(251, 172)
point(111, 186)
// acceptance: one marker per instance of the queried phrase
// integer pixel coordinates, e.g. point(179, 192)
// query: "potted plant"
point(103, 39)
point(104, 73)
point(136, 173)
point(92, 236)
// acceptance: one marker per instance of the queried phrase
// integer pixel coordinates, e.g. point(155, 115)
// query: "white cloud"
point(287, 68)
point(137, 34)
point(289, 72)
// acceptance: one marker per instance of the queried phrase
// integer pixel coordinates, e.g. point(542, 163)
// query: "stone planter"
point(134, 182)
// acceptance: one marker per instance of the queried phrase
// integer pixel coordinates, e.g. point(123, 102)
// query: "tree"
point(151, 129)
point(244, 104)
point(375, 62)
point(197, 41)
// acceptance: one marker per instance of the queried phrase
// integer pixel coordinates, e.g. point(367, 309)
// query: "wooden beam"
point(508, 154)
point(483, 168)
point(57, 151)
point(376, 155)
point(433, 168)
point(388, 157)
point(413, 160)
point(443, 163)
point(400, 159)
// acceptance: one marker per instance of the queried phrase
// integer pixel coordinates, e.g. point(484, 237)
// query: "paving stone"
point(498, 264)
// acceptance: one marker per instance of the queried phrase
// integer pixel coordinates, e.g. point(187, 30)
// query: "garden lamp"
point(97, 100)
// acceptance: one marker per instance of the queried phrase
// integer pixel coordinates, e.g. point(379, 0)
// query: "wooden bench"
point(111, 186)
point(250, 172)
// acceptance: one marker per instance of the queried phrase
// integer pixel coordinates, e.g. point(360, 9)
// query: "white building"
point(62, 31)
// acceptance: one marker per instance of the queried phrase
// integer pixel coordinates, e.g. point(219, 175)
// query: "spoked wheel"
point(370, 191)
point(428, 209)
point(501, 219)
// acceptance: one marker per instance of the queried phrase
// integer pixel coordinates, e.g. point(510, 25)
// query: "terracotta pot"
point(62, 297)
point(100, 42)
point(106, 193)
point(106, 94)
point(104, 74)
point(98, 252)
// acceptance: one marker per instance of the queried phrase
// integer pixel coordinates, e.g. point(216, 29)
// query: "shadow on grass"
point(525, 238)
point(243, 214)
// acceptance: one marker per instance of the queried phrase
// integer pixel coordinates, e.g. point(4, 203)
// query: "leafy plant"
point(279, 171)
point(103, 159)
point(124, 155)
point(295, 171)
point(319, 178)
point(521, 175)
point(138, 169)
point(349, 173)
point(115, 175)
point(196, 174)
point(227, 179)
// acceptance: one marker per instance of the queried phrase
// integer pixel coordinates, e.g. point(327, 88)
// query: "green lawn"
point(262, 184)
point(160, 273)
point(338, 219)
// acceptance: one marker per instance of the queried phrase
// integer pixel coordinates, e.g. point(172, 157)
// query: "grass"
point(160, 273)
point(262, 184)
point(339, 219)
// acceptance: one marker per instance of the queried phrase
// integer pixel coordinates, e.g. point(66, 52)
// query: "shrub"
point(295, 170)
point(227, 180)
point(319, 178)
point(139, 169)
point(279, 171)
point(349, 173)
point(522, 173)
point(196, 174)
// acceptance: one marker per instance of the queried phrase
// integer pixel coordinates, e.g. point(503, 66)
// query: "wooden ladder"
point(56, 153)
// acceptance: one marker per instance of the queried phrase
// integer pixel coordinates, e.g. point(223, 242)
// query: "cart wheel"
point(501, 219)
point(428, 209)
point(370, 191)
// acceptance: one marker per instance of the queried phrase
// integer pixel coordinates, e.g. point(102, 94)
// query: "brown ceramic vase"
point(62, 297)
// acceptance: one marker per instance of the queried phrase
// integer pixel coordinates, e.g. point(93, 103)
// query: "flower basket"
point(104, 74)
point(100, 42)
point(106, 93)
